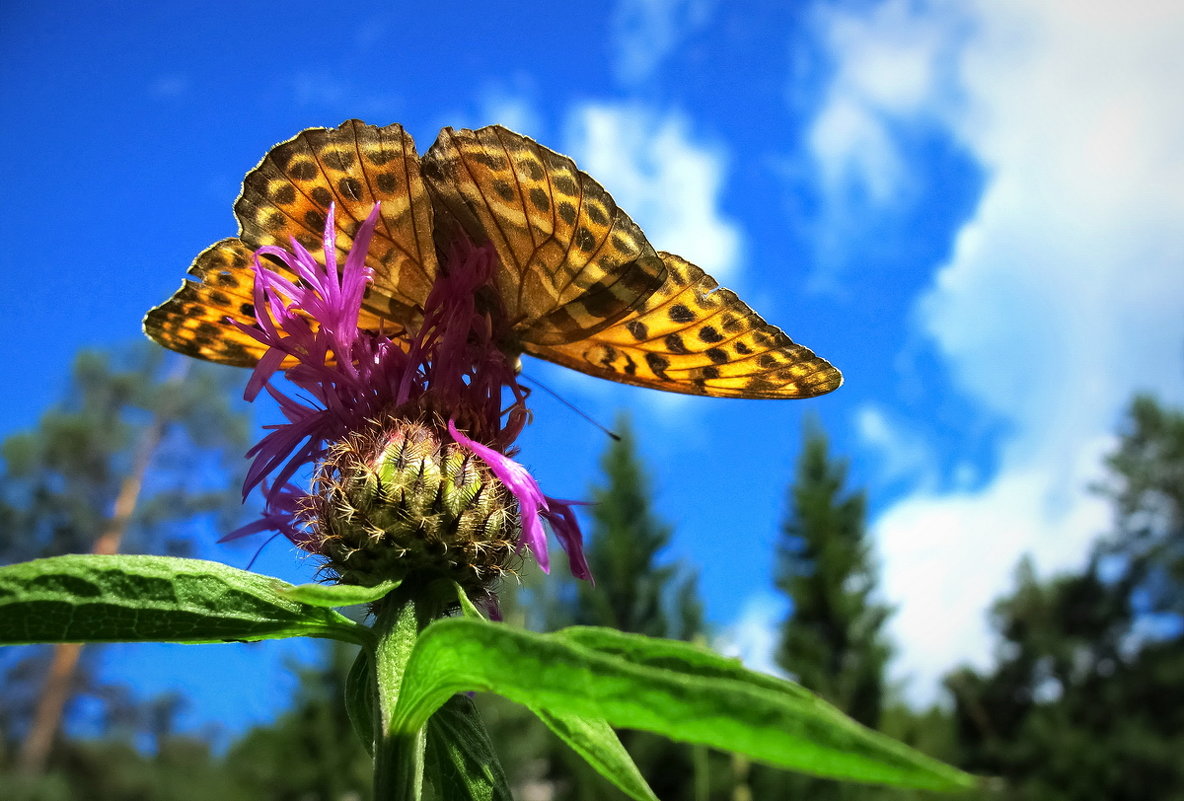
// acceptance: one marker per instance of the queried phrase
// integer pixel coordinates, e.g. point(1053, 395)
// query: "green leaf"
point(598, 744)
point(674, 689)
point(361, 702)
point(122, 598)
point(678, 656)
point(460, 761)
point(331, 595)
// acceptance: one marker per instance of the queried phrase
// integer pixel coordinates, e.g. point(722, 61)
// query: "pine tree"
point(833, 641)
point(633, 591)
point(311, 751)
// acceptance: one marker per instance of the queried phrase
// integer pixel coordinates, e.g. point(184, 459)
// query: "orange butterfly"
point(579, 282)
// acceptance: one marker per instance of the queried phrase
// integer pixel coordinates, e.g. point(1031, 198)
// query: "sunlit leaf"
point(675, 689)
point(123, 598)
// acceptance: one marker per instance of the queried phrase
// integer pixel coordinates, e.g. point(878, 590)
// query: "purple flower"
point(357, 386)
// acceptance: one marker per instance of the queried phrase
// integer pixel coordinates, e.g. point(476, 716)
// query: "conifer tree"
point(833, 640)
point(311, 751)
point(635, 591)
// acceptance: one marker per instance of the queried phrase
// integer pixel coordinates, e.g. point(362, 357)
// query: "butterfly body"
point(576, 283)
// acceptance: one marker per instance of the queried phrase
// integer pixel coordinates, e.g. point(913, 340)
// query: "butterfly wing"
point(571, 262)
point(287, 196)
point(196, 321)
point(581, 285)
point(693, 337)
point(352, 166)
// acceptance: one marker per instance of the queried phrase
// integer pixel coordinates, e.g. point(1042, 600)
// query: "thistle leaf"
point(125, 598)
point(674, 689)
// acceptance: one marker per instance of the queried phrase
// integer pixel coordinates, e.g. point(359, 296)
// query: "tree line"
point(1085, 699)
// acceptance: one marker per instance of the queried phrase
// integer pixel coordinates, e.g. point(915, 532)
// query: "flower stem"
point(398, 757)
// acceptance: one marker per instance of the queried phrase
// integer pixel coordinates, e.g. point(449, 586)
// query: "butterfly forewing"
point(693, 337)
point(352, 166)
point(571, 262)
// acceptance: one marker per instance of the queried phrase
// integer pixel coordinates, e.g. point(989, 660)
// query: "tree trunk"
point(47, 718)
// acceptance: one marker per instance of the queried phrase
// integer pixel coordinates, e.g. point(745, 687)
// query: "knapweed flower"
point(409, 435)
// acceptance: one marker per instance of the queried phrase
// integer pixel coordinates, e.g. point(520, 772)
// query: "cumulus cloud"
point(890, 73)
point(666, 180)
point(1064, 291)
point(901, 451)
point(947, 556)
point(669, 182)
point(169, 86)
point(511, 102)
point(512, 110)
point(886, 67)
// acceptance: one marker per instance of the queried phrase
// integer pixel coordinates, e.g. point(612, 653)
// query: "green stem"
point(702, 773)
point(398, 758)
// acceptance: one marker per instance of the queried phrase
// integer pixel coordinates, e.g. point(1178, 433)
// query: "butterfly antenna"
point(259, 550)
point(616, 437)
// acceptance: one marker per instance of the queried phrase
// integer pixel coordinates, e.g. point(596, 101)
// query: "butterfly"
point(580, 284)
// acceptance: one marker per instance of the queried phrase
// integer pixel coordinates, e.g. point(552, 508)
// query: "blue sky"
point(972, 209)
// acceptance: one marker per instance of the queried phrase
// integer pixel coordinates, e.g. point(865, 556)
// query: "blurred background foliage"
point(1085, 699)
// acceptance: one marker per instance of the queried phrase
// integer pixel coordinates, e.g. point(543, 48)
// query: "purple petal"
point(567, 530)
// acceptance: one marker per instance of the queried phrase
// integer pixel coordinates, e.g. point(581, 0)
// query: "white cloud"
point(901, 451)
point(1064, 292)
point(667, 179)
point(854, 151)
point(668, 182)
point(753, 637)
point(889, 72)
point(887, 66)
point(511, 111)
point(645, 32)
point(511, 102)
point(946, 557)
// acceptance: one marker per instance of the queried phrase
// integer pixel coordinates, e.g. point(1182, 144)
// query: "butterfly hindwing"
point(693, 337)
point(196, 320)
point(202, 318)
point(571, 262)
point(352, 166)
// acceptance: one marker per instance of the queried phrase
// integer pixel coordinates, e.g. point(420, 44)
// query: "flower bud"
point(403, 501)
